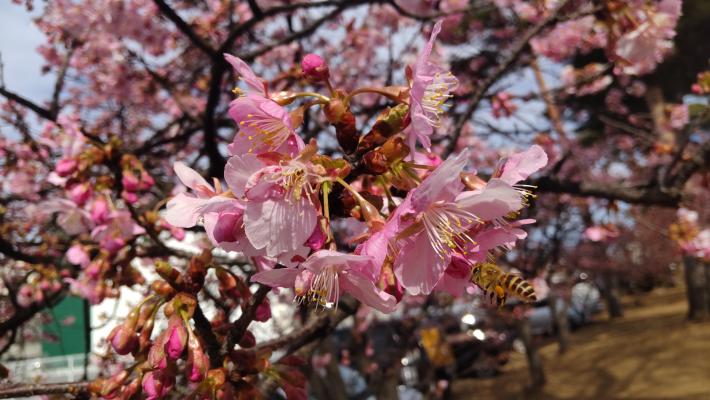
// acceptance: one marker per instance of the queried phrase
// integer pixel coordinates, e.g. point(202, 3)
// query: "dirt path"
point(650, 353)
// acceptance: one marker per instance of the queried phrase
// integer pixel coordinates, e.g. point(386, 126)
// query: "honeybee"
point(491, 279)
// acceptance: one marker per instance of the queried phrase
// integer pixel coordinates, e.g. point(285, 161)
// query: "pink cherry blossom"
point(184, 210)
point(326, 275)
point(431, 87)
point(642, 48)
point(264, 126)
point(279, 213)
point(439, 216)
point(117, 231)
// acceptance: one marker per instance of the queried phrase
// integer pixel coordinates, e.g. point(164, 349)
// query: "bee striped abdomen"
point(520, 287)
point(496, 284)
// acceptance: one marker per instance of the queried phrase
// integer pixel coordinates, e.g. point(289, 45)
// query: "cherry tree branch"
point(185, 28)
point(37, 109)
point(59, 83)
point(517, 50)
point(204, 328)
point(317, 328)
point(240, 325)
point(24, 314)
point(9, 250)
point(630, 194)
point(76, 389)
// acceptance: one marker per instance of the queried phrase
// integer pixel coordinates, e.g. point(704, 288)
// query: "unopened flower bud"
point(346, 133)
point(123, 339)
point(113, 383)
point(99, 210)
point(130, 181)
point(197, 360)
point(394, 149)
point(177, 338)
point(263, 311)
point(162, 288)
point(157, 384)
point(166, 271)
point(314, 68)
point(80, 193)
point(375, 162)
point(129, 197)
point(65, 167)
point(248, 340)
point(317, 238)
point(130, 390)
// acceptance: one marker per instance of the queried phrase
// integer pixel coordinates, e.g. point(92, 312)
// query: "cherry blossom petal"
point(183, 211)
point(521, 165)
point(248, 76)
point(443, 183)
point(238, 170)
point(278, 277)
point(190, 178)
point(279, 225)
point(418, 267)
point(496, 200)
point(365, 290)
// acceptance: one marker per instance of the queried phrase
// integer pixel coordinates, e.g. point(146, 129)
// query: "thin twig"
point(517, 50)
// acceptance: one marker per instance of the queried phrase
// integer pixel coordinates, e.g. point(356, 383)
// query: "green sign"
point(66, 333)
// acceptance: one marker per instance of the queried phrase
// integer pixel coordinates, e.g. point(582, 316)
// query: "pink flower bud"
point(77, 255)
point(227, 225)
point(80, 194)
point(130, 181)
point(112, 245)
point(178, 233)
point(156, 354)
point(157, 384)
point(146, 182)
point(24, 296)
point(123, 339)
point(99, 210)
point(317, 239)
point(130, 197)
point(314, 68)
point(65, 167)
point(199, 365)
point(263, 312)
point(177, 338)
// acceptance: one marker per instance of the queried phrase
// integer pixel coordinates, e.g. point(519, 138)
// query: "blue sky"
point(19, 39)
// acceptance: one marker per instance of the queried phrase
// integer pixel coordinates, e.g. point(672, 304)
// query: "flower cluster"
point(637, 35)
point(691, 240)
point(427, 222)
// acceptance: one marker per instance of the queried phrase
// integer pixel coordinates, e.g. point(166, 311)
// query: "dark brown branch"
point(317, 328)
point(255, 9)
point(240, 325)
point(39, 110)
point(185, 28)
point(24, 314)
point(9, 250)
point(204, 328)
point(248, 25)
point(629, 194)
point(76, 389)
point(697, 162)
point(296, 35)
point(10, 342)
point(59, 83)
point(517, 50)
